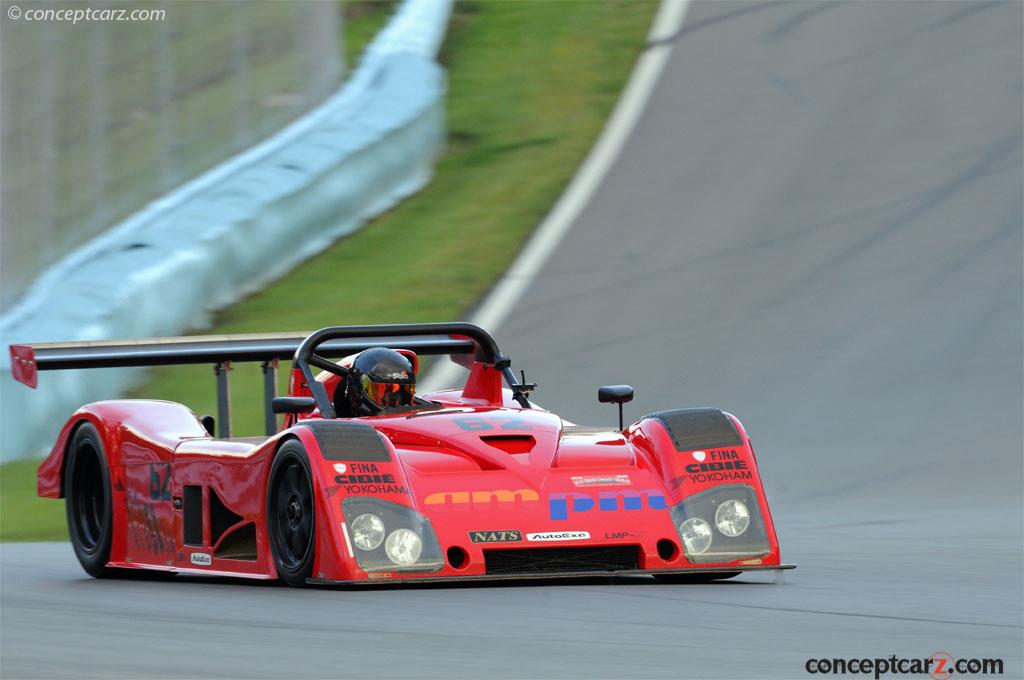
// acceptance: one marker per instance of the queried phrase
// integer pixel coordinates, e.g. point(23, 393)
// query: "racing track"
point(817, 226)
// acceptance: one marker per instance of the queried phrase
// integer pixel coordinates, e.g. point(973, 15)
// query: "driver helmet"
point(380, 378)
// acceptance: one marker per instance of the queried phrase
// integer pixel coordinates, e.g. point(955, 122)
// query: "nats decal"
point(508, 536)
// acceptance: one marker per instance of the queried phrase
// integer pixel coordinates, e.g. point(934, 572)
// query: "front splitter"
point(404, 580)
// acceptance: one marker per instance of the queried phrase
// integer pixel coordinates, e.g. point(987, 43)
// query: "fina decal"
point(202, 559)
point(559, 536)
point(366, 478)
point(601, 480)
point(340, 468)
point(495, 536)
point(699, 456)
point(724, 465)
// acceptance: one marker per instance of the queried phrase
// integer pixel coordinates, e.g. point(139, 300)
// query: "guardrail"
point(237, 227)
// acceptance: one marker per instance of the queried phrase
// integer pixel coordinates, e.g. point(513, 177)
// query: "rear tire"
point(88, 501)
point(291, 515)
point(696, 578)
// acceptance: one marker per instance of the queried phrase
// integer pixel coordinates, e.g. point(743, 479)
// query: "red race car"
point(368, 482)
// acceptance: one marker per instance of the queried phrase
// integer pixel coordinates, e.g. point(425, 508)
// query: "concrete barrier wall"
point(235, 229)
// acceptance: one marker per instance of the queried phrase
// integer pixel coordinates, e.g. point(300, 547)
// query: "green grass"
point(530, 86)
point(23, 515)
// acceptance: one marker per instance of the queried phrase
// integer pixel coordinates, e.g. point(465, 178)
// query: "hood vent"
point(510, 443)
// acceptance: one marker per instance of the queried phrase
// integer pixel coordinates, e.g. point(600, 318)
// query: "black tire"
point(88, 500)
point(291, 514)
point(696, 578)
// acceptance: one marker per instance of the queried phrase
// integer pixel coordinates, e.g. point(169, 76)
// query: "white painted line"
point(496, 307)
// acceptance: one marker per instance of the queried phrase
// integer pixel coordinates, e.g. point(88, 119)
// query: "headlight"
point(403, 547)
point(732, 518)
point(388, 536)
point(696, 535)
point(367, 531)
point(721, 524)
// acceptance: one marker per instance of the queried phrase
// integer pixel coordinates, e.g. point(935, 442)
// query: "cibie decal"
point(560, 505)
point(601, 480)
point(559, 536)
point(699, 456)
point(495, 536)
point(724, 466)
point(469, 499)
point(366, 478)
point(202, 559)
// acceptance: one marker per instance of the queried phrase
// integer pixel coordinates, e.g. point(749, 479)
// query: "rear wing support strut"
point(222, 370)
point(269, 369)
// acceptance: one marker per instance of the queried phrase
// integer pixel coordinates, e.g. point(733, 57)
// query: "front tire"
point(88, 501)
point(291, 516)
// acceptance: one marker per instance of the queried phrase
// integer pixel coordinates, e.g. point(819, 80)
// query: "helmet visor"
point(387, 394)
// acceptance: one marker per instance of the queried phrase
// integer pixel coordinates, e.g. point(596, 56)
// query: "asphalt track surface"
point(816, 225)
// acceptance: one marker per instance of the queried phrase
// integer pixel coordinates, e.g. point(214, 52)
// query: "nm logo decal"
point(482, 499)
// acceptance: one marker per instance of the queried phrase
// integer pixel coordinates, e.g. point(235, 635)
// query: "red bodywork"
point(482, 463)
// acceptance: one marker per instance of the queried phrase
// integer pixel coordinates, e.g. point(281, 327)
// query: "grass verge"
point(530, 86)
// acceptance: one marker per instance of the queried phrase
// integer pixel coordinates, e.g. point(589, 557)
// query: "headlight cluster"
point(721, 524)
point(390, 537)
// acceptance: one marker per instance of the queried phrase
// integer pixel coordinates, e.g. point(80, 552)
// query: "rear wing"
point(266, 348)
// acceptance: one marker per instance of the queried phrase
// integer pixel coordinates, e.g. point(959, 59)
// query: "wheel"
point(696, 578)
point(291, 520)
point(88, 500)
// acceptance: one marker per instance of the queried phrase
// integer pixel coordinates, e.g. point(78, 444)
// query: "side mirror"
point(615, 394)
point(293, 404)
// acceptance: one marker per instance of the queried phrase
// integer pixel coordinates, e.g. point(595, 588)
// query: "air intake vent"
point(510, 443)
point(561, 560)
point(698, 428)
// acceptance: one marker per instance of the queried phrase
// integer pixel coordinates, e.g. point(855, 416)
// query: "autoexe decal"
point(559, 536)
